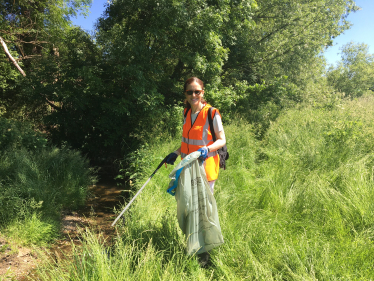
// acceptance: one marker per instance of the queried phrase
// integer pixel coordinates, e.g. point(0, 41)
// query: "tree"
point(123, 88)
point(153, 46)
point(64, 91)
point(354, 74)
point(27, 28)
point(286, 37)
point(160, 43)
point(26, 25)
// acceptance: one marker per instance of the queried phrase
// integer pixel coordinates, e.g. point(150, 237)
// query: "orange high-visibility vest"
point(198, 135)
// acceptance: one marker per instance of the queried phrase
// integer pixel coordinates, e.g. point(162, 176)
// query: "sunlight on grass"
point(296, 206)
point(32, 230)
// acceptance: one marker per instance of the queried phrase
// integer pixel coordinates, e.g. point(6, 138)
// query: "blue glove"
point(204, 153)
point(170, 159)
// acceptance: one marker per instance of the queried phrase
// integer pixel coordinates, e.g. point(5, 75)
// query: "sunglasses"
point(197, 92)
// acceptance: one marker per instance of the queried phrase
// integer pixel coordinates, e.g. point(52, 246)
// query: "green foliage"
point(283, 39)
point(296, 206)
point(36, 182)
point(324, 162)
point(63, 92)
point(28, 25)
point(3, 248)
point(262, 103)
point(178, 39)
point(29, 28)
point(35, 186)
point(56, 177)
point(124, 262)
point(78, 107)
point(9, 81)
point(223, 43)
point(9, 75)
point(354, 74)
point(33, 229)
point(15, 135)
point(107, 95)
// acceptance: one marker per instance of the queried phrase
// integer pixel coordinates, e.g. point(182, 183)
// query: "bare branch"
point(34, 42)
point(27, 57)
point(50, 103)
point(11, 57)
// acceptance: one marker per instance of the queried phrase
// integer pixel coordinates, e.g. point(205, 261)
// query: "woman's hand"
point(170, 159)
point(203, 153)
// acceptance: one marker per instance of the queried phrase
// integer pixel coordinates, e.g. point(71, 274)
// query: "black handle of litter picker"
point(160, 165)
point(139, 191)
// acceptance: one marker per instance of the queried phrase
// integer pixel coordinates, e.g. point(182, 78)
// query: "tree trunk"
point(10, 56)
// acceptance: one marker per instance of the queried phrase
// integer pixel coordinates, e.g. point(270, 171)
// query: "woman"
point(196, 130)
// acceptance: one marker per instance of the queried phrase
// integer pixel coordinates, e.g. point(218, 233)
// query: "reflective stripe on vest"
point(198, 135)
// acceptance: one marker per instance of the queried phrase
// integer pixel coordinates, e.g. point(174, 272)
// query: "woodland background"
point(299, 132)
point(107, 93)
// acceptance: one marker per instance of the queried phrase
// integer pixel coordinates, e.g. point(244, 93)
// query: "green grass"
point(3, 248)
point(296, 206)
point(35, 187)
point(33, 229)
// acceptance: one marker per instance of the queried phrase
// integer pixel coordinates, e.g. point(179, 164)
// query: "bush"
point(15, 135)
point(261, 104)
point(55, 177)
point(36, 186)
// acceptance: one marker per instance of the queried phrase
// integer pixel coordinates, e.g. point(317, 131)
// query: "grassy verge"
point(35, 187)
point(297, 206)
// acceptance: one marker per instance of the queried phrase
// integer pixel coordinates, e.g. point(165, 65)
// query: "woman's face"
point(194, 99)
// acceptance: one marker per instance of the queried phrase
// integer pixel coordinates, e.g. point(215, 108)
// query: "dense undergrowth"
point(36, 183)
point(296, 206)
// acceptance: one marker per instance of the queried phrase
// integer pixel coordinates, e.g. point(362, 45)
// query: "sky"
point(96, 10)
point(362, 30)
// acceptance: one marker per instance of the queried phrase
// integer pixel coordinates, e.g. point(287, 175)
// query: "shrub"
point(15, 135)
point(36, 186)
point(56, 177)
point(261, 104)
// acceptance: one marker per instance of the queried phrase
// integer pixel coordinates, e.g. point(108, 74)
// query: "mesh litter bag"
point(196, 206)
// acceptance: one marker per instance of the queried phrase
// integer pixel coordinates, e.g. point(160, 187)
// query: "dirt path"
point(17, 263)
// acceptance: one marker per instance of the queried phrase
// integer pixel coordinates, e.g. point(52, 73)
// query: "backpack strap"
point(210, 119)
point(186, 112)
point(222, 152)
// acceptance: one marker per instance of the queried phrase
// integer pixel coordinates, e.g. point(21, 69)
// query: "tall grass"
point(35, 186)
point(297, 206)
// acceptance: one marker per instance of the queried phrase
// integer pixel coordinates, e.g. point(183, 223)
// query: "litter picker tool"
point(140, 190)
